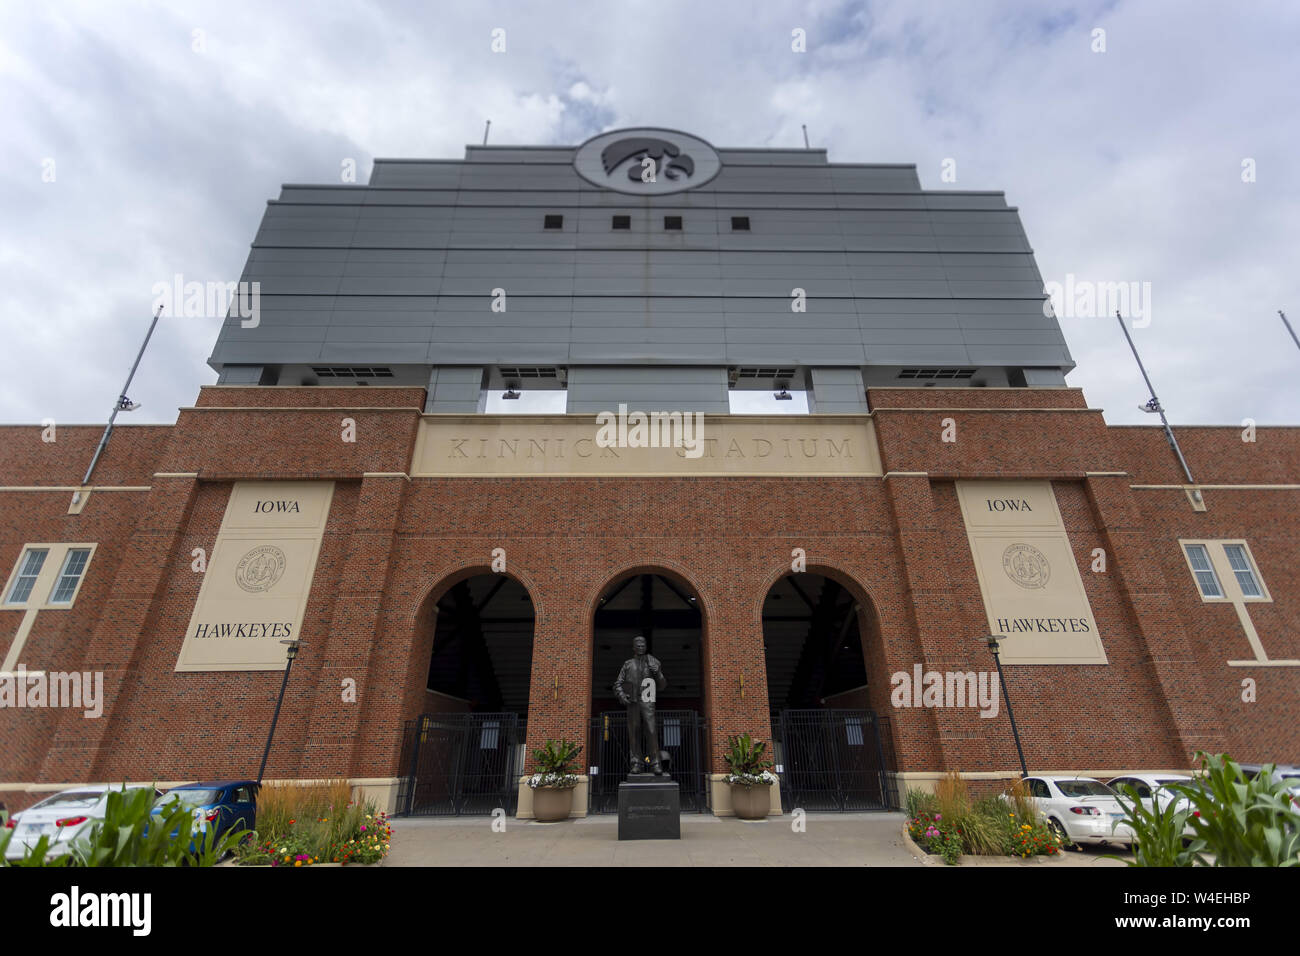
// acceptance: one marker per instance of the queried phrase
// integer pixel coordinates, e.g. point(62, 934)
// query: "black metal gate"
point(459, 764)
point(681, 733)
point(836, 760)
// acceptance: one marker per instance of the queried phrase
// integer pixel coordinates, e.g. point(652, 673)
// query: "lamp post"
point(993, 646)
point(292, 651)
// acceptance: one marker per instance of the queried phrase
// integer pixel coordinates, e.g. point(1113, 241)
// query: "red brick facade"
point(394, 544)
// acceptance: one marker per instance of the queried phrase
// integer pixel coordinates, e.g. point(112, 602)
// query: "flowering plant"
point(560, 781)
point(933, 835)
point(1035, 840)
point(554, 760)
point(764, 779)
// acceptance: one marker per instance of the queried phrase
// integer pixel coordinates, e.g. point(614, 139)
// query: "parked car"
point(62, 817)
point(1079, 809)
point(224, 804)
point(1282, 773)
point(1153, 791)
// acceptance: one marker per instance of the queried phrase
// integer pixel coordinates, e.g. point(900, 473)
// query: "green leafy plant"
point(38, 855)
point(1233, 821)
point(131, 834)
point(1158, 831)
point(747, 760)
point(918, 802)
point(555, 765)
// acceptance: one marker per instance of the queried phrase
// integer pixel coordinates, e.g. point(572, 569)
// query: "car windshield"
point(1084, 788)
point(1167, 781)
point(194, 798)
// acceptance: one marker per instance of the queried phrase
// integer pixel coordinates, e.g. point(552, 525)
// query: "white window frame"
point(63, 572)
point(1187, 547)
point(1251, 567)
point(1217, 550)
point(16, 575)
point(47, 580)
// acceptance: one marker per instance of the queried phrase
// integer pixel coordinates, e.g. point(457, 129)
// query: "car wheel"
point(1055, 826)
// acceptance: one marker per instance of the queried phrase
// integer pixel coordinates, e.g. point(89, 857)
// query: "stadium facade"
point(465, 579)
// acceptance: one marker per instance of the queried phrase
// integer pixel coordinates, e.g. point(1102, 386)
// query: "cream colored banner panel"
point(254, 592)
point(577, 445)
point(1033, 592)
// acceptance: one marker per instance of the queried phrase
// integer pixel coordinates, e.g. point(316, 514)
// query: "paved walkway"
point(829, 839)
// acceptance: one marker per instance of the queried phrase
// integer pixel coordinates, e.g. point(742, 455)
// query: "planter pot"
point(751, 803)
point(552, 803)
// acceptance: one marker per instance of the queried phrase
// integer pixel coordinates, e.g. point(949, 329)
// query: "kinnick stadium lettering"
point(555, 448)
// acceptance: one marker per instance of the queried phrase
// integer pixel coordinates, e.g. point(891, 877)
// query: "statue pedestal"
point(649, 808)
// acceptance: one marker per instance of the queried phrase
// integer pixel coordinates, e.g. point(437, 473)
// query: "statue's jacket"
point(636, 669)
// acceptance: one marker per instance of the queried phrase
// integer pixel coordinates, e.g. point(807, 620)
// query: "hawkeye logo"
point(657, 157)
point(646, 162)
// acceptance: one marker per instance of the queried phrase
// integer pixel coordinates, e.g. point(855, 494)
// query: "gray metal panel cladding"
point(414, 259)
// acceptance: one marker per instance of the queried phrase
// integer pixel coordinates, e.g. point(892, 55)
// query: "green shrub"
point(358, 833)
point(130, 834)
point(1234, 821)
point(918, 802)
point(1158, 831)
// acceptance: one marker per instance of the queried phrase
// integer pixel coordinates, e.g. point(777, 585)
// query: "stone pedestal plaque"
point(649, 808)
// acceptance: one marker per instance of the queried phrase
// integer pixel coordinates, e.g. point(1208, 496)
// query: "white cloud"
point(1125, 165)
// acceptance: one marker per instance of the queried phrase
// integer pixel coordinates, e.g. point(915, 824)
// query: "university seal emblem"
point(1027, 566)
point(260, 569)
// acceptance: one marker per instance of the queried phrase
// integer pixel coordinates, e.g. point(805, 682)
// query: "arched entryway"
point(833, 748)
point(664, 609)
point(464, 742)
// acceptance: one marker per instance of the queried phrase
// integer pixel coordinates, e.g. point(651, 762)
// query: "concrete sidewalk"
point(829, 839)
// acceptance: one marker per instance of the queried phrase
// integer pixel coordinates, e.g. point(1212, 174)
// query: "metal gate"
point(836, 760)
point(459, 764)
point(681, 733)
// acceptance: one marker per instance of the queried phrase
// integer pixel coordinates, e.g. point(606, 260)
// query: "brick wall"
point(392, 546)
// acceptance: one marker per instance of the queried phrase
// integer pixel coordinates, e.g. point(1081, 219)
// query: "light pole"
point(993, 646)
point(292, 652)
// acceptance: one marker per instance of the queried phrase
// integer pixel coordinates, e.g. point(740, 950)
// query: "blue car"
point(223, 804)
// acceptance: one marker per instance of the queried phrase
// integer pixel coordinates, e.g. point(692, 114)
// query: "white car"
point(62, 817)
point(1153, 791)
point(1080, 809)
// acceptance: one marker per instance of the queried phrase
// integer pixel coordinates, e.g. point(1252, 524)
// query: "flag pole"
point(1154, 406)
point(123, 404)
point(1288, 328)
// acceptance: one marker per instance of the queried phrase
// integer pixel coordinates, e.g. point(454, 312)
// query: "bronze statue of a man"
point(636, 688)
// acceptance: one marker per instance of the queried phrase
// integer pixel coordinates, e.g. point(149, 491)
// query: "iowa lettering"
point(265, 506)
point(1007, 504)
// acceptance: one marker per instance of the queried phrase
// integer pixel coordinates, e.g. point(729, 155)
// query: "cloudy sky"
point(143, 140)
